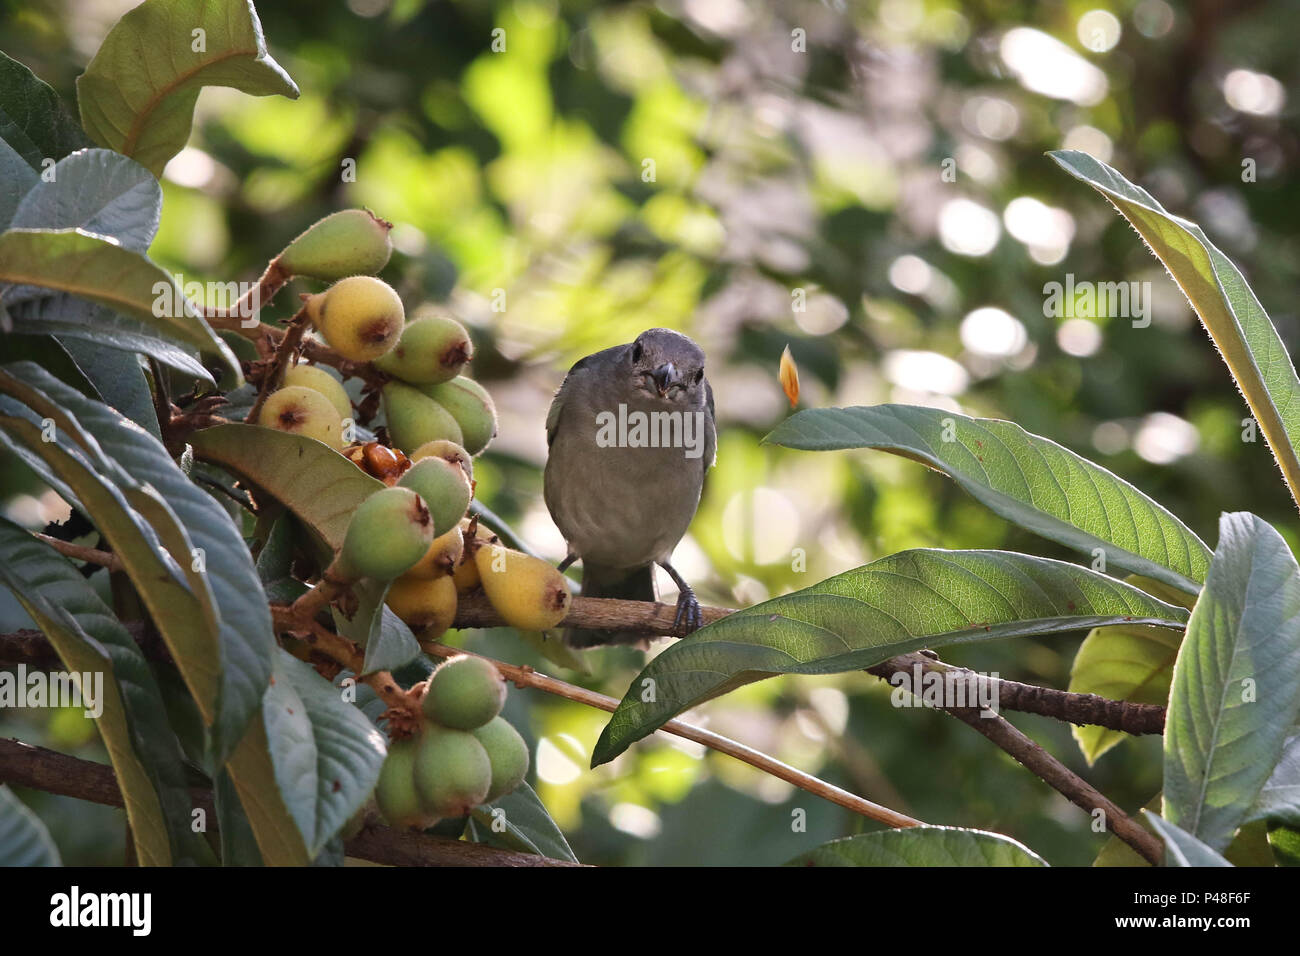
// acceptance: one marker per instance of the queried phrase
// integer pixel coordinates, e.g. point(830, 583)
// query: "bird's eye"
point(699, 375)
point(636, 353)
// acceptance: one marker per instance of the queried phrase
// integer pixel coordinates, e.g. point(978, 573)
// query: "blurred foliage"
point(624, 165)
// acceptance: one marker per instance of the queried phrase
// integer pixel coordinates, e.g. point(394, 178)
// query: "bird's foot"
point(689, 616)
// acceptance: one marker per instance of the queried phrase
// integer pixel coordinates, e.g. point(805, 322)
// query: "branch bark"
point(22, 765)
point(527, 677)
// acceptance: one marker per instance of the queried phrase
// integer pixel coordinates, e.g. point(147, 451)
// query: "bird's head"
point(667, 365)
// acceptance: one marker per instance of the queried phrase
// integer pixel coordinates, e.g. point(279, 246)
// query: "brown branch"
point(475, 610)
point(1043, 765)
point(338, 648)
point(22, 765)
point(267, 338)
point(273, 373)
point(80, 552)
point(250, 304)
point(1122, 715)
point(527, 677)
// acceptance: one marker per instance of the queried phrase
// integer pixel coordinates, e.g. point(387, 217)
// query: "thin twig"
point(290, 343)
point(1043, 765)
point(80, 552)
point(338, 648)
point(250, 304)
point(527, 677)
point(22, 765)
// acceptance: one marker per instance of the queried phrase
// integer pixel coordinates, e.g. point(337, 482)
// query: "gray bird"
point(631, 435)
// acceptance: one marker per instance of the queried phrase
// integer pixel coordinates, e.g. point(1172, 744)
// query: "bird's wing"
point(568, 386)
point(711, 435)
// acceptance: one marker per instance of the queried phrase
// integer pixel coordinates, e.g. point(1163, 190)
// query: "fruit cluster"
point(462, 754)
point(428, 399)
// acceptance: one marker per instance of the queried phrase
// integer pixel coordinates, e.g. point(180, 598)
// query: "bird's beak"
point(666, 377)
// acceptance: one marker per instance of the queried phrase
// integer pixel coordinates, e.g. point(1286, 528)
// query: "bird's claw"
point(689, 616)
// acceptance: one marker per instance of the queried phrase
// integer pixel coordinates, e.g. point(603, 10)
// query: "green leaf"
point(24, 841)
point(901, 603)
point(133, 721)
point(53, 356)
point(308, 477)
point(175, 610)
point(16, 179)
point(1234, 696)
point(238, 842)
point(1027, 479)
point(32, 119)
point(389, 643)
point(227, 663)
point(1284, 841)
point(519, 821)
point(1182, 848)
point(1127, 662)
point(69, 317)
point(327, 754)
point(119, 380)
point(254, 776)
point(97, 269)
point(1279, 798)
point(147, 113)
point(1227, 307)
point(922, 846)
point(97, 191)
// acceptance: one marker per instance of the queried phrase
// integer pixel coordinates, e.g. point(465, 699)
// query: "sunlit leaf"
point(188, 44)
point(103, 272)
point(902, 603)
point(1255, 353)
point(1025, 478)
point(922, 846)
point(1234, 696)
point(309, 478)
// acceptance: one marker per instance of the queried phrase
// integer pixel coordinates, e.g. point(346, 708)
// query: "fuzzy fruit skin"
point(508, 754)
point(395, 792)
point(444, 554)
point(472, 407)
point(432, 349)
point(464, 693)
point(344, 243)
point(426, 605)
point(452, 771)
point(526, 591)
point(389, 532)
point(300, 410)
point(414, 419)
point(313, 376)
point(361, 317)
point(449, 451)
point(444, 488)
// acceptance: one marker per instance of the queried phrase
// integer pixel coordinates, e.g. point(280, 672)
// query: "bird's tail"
point(637, 584)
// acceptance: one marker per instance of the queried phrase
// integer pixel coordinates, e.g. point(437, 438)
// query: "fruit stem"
point(273, 374)
point(250, 304)
point(333, 582)
point(340, 649)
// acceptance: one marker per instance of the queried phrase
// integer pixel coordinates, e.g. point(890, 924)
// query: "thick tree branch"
point(22, 765)
point(653, 618)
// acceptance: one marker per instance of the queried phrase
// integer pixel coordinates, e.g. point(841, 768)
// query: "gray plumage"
point(622, 509)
